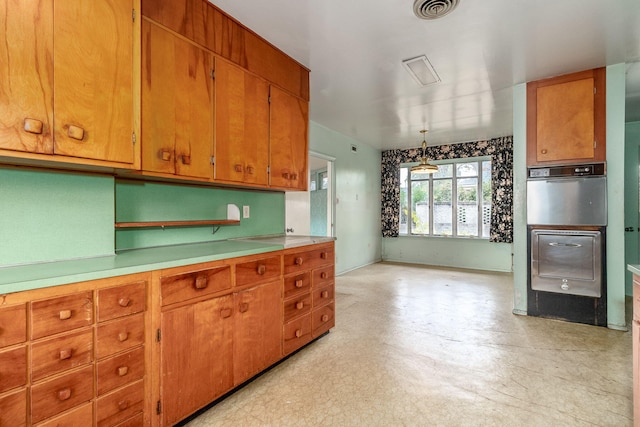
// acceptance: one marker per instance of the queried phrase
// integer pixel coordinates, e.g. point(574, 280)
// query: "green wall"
point(631, 202)
point(357, 197)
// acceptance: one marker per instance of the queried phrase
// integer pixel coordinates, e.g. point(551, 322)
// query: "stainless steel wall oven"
point(567, 217)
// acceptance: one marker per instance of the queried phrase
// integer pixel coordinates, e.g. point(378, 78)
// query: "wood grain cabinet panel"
point(297, 333)
point(119, 335)
point(13, 324)
point(120, 405)
point(121, 301)
point(53, 396)
point(322, 319)
point(184, 286)
point(177, 105)
point(297, 306)
point(258, 271)
point(635, 330)
point(324, 295)
point(297, 284)
point(241, 126)
point(61, 314)
point(13, 368)
point(135, 421)
point(119, 370)
point(13, 409)
point(566, 119)
point(79, 417)
point(61, 353)
point(323, 276)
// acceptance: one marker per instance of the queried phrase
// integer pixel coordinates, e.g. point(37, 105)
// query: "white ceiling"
point(355, 48)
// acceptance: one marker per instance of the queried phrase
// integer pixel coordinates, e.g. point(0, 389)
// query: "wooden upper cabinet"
point(241, 126)
point(566, 119)
point(26, 76)
point(177, 105)
point(289, 140)
point(83, 53)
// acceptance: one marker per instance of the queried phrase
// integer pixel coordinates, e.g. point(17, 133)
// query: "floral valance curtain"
point(501, 152)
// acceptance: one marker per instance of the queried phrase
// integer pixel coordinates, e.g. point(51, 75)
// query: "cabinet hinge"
point(213, 160)
point(133, 138)
point(158, 335)
point(158, 408)
point(133, 15)
point(213, 74)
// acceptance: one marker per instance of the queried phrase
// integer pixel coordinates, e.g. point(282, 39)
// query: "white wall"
point(357, 198)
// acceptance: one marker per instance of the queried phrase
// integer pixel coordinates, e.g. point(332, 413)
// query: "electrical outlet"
point(246, 212)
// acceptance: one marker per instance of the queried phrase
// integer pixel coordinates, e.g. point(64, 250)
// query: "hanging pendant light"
point(424, 166)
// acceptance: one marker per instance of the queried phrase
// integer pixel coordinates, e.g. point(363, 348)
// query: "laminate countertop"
point(634, 268)
point(42, 275)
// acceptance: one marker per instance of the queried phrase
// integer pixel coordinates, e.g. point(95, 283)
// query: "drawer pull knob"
point(298, 261)
point(123, 336)
point(165, 155)
point(75, 132)
point(123, 370)
point(299, 283)
point(64, 394)
point(66, 354)
point(237, 168)
point(225, 313)
point(250, 170)
point(298, 333)
point(324, 317)
point(324, 294)
point(323, 275)
point(65, 314)
point(186, 160)
point(323, 255)
point(124, 302)
point(33, 126)
point(543, 151)
point(294, 176)
point(300, 305)
point(262, 269)
point(123, 404)
point(201, 282)
point(285, 175)
point(244, 307)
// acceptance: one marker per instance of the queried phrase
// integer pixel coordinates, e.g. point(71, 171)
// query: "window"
point(455, 201)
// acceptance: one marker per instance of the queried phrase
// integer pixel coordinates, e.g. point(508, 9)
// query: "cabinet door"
point(26, 76)
point(242, 126)
point(258, 330)
point(289, 129)
point(93, 79)
point(177, 103)
point(197, 356)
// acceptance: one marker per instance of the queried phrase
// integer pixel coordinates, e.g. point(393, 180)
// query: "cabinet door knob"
point(285, 175)
point(201, 282)
point(323, 275)
point(298, 261)
point(244, 307)
point(543, 151)
point(66, 353)
point(323, 255)
point(299, 283)
point(237, 168)
point(123, 404)
point(250, 170)
point(186, 160)
point(262, 269)
point(64, 393)
point(33, 126)
point(123, 370)
point(324, 294)
point(225, 313)
point(123, 336)
point(299, 305)
point(294, 176)
point(165, 155)
point(75, 132)
point(124, 302)
point(65, 314)
point(298, 333)
point(324, 317)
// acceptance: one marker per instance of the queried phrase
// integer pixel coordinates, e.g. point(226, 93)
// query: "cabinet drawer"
point(61, 314)
point(322, 296)
point(181, 287)
point(260, 271)
point(296, 334)
point(59, 394)
point(121, 301)
point(13, 409)
point(322, 319)
point(120, 404)
point(135, 421)
point(78, 417)
point(119, 335)
point(297, 307)
point(61, 353)
point(323, 276)
point(120, 370)
point(13, 369)
point(298, 284)
point(13, 325)
point(309, 259)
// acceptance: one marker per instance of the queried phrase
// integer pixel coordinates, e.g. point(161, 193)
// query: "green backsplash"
point(151, 201)
point(51, 216)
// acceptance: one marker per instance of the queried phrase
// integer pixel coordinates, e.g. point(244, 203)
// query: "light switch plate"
point(246, 212)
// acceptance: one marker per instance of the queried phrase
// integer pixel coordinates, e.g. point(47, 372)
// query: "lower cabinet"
point(635, 328)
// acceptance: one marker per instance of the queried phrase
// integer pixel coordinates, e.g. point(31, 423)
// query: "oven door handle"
point(568, 245)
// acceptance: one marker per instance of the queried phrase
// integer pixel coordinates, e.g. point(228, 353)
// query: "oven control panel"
point(592, 169)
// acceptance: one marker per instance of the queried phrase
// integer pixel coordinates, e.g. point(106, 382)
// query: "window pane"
point(467, 215)
point(467, 169)
point(442, 207)
point(420, 207)
point(444, 171)
point(404, 202)
point(419, 175)
point(486, 198)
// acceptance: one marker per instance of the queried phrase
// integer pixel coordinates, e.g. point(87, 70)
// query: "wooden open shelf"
point(163, 224)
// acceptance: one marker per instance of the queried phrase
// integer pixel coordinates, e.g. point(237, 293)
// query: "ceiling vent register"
point(433, 9)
